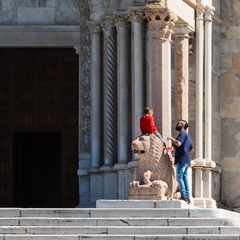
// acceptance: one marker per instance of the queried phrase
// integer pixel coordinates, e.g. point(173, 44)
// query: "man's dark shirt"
point(182, 153)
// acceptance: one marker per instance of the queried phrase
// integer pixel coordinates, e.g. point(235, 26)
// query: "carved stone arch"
point(84, 71)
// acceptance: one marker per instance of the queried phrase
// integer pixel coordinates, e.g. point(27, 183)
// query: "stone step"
point(119, 230)
point(121, 237)
point(102, 203)
point(119, 212)
point(30, 221)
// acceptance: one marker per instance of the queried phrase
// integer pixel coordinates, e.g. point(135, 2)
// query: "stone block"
point(147, 230)
point(9, 4)
point(231, 141)
point(58, 221)
point(230, 230)
point(110, 185)
point(66, 16)
point(7, 16)
point(33, 15)
point(226, 61)
point(63, 212)
point(96, 187)
point(9, 212)
point(203, 230)
point(9, 221)
point(125, 204)
point(230, 188)
point(236, 60)
point(84, 190)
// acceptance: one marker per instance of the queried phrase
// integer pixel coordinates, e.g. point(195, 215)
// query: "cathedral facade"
point(75, 76)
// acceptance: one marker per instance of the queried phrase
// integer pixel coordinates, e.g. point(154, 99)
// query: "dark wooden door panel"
point(39, 93)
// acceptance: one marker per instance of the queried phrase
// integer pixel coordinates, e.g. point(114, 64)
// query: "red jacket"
point(147, 124)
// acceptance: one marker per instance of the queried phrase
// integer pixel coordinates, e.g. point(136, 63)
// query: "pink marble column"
point(181, 62)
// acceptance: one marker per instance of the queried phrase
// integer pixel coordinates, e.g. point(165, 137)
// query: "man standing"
point(183, 146)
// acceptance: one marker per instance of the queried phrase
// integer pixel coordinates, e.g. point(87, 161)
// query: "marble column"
point(109, 92)
point(208, 82)
point(199, 81)
point(123, 88)
point(161, 22)
point(136, 17)
point(203, 164)
point(96, 63)
point(181, 66)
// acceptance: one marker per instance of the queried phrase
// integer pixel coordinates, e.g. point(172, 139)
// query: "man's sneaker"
point(188, 201)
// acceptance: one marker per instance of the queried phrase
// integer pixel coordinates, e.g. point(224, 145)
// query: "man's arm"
point(175, 141)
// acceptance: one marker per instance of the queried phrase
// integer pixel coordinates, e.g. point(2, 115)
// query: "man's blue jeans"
point(182, 175)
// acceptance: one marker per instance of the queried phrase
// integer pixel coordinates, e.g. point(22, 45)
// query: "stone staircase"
point(120, 219)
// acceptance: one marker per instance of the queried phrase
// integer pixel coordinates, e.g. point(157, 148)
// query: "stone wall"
point(230, 101)
point(35, 12)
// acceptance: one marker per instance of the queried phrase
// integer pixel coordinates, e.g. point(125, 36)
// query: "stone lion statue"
point(156, 172)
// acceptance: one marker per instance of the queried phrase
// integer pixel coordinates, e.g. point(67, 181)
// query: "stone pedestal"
point(203, 183)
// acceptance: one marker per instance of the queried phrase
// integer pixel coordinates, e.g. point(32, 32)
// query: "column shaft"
point(109, 101)
point(96, 95)
point(182, 81)
point(208, 82)
point(199, 81)
point(166, 90)
point(137, 70)
point(160, 30)
point(123, 84)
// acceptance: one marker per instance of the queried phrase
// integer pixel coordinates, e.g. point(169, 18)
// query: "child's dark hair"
point(148, 110)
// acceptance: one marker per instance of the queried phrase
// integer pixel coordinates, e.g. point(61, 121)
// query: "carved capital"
point(108, 25)
point(209, 12)
point(199, 11)
point(161, 22)
point(94, 27)
point(182, 30)
point(136, 15)
point(121, 19)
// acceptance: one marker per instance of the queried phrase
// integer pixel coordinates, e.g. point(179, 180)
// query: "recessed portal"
point(37, 169)
point(39, 127)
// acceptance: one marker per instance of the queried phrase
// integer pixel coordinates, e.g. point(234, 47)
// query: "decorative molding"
point(64, 36)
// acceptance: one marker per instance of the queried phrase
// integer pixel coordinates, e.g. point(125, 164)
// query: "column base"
point(204, 203)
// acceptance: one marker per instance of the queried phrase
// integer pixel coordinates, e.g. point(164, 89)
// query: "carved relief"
point(84, 62)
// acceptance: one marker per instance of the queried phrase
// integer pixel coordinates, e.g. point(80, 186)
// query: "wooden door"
point(39, 94)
